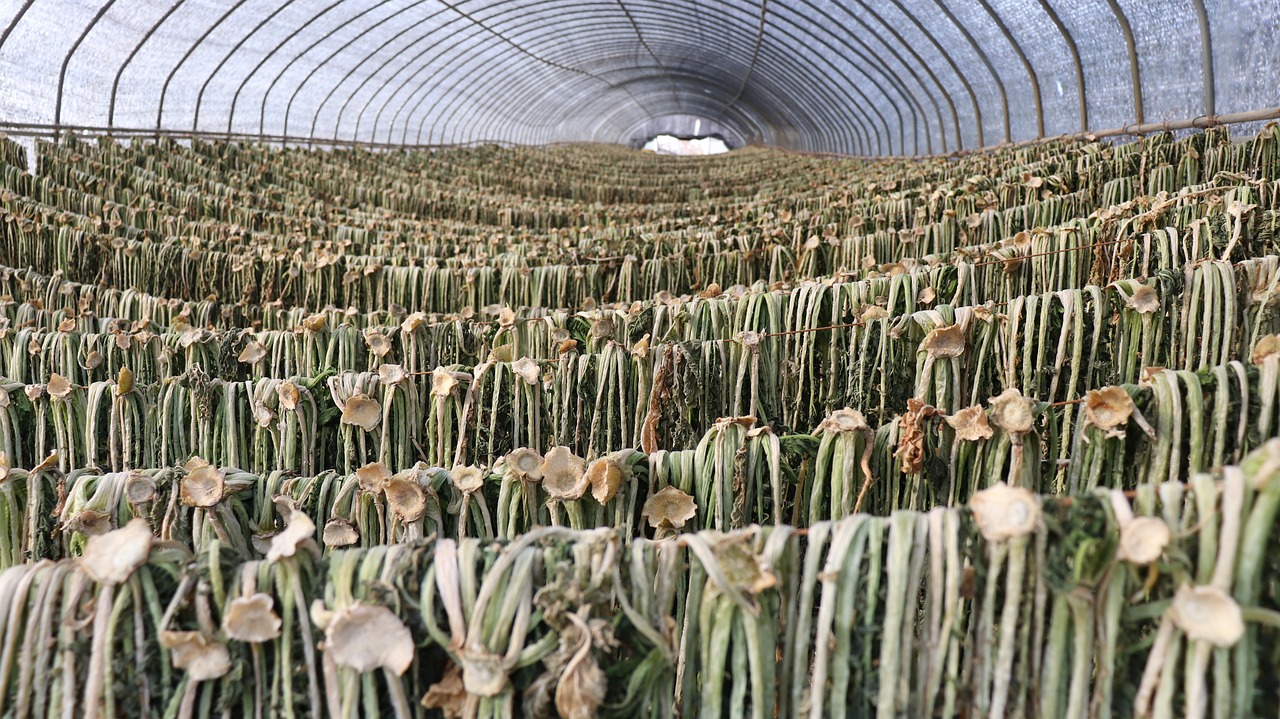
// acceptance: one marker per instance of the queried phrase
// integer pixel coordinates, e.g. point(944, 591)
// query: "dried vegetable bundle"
point(290, 433)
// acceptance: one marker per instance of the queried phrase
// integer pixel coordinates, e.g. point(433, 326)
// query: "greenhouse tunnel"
point(901, 77)
point(639, 359)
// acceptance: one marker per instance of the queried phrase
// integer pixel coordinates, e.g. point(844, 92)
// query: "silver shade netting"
point(867, 77)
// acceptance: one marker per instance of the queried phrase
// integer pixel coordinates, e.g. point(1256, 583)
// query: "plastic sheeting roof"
point(868, 77)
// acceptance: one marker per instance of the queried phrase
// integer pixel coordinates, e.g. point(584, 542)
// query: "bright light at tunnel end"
point(672, 145)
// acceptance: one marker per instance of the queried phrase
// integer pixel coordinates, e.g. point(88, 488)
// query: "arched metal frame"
point(865, 77)
point(507, 72)
point(800, 76)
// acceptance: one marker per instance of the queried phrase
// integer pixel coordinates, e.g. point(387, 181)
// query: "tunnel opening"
point(668, 144)
point(684, 134)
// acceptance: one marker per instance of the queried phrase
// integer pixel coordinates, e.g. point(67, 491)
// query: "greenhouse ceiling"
point(866, 77)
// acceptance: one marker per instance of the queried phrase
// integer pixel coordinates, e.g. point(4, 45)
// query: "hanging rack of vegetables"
point(289, 432)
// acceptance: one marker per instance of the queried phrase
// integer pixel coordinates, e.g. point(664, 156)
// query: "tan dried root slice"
point(873, 312)
point(448, 695)
point(252, 619)
point(944, 342)
point(338, 532)
point(506, 317)
point(110, 558)
point(910, 451)
point(379, 344)
point(603, 328)
point(365, 637)
point(201, 657)
point(58, 387)
point(406, 498)
point(1013, 413)
point(641, 348)
point(1208, 614)
point(669, 507)
point(89, 522)
point(1238, 209)
point(124, 382)
point(525, 463)
point(844, 420)
point(1268, 346)
point(527, 370)
point(373, 477)
point(750, 340)
point(1110, 409)
point(192, 336)
point(315, 322)
point(606, 476)
point(362, 411)
point(289, 394)
point(564, 474)
point(253, 353)
point(970, 424)
point(49, 463)
point(1149, 374)
point(1142, 540)
point(466, 478)
point(204, 485)
point(443, 382)
point(139, 489)
point(390, 375)
point(413, 322)
point(1003, 512)
point(1144, 300)
point(297, 530)
point(262, 415)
